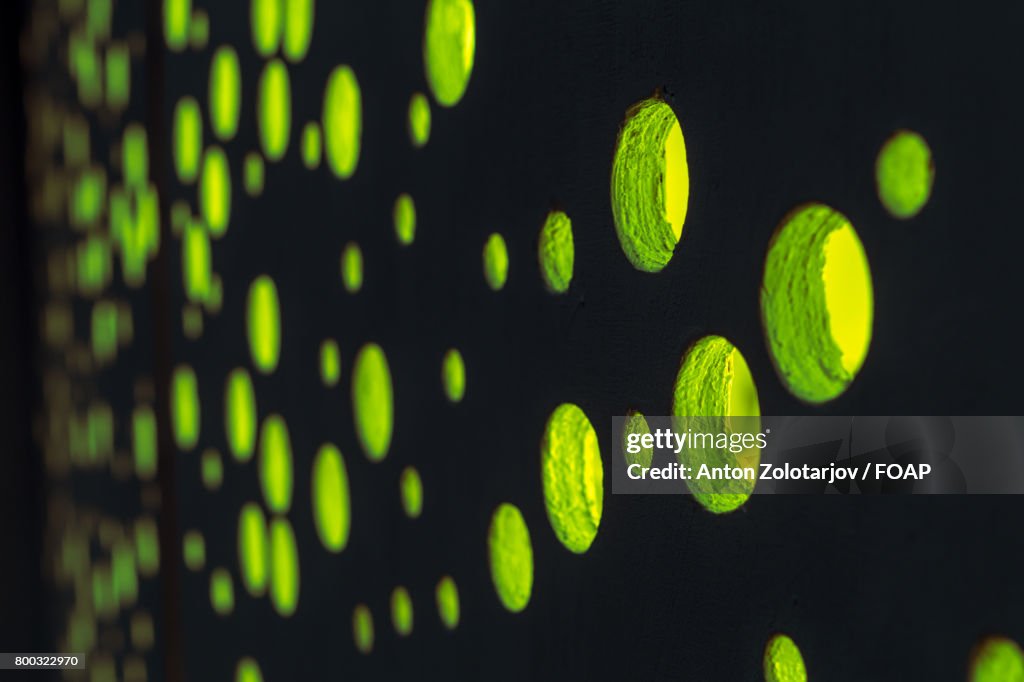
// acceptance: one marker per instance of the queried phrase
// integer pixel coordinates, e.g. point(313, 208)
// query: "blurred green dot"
point(449, 46)
point(362, 628)
point(144, 442)
point(401, 611)
point(372, 401)
point(194, 550)
point(248, 671)
point(185, 407)
point(352, 267)
point(212, 469)
point(412, 492)
point(904, 174)
point(266, 19)
point(177, 14)
point(556, 252)
point(188, 139)
point(453, 375)
point(225, 92)
point(511, 557)
point(284, 568)
point(330, 362)
point(195, 262)
point(419, 120)
point(447, 595)
point(275, 110)
point(495, 262)
point(997, 659)
point(215, 191)
point(119, 75)
point(298, 28)
point(253, 550)
point(275, 464)
point(135, 155)
point(240, 414)
point(263, 322)
point(342, 121)
point(222, 592)
point(199, 30)
point(254, 174)
point(404, 217)
point(311, 146)
point(331, 506)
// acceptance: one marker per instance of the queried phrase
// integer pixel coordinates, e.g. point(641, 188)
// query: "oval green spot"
point(225, 92)
point(284, 568)
point(263, 321)
point(212, 469)
point(511, 557)
point(419, 120)
point(177, 14)
point(997, 659)
point(904, 174)
point(362, 628)
point(254, 174)
point(298, 29)
point(195, 262)
point(372, 401)
point(449, 45)
point(401, 611)
point(144, 442)
point(215, 191)
point(330, 362)
point(240, 414)
point(248, 671)
point(636, 424)
point(185, 407)
point(404, 217)
point(188, 139)
point(453, 375)
point(556, 252)
point(275, 110)
point(342, 121)
point(194, 550)
point(222, 592)
point(412, 492)
point(573, 477)
point(266, 20)
point(275, 465)
point(495, 262)
point(650, 184)
point(352, 267)
point(253, 552)
point(817, 302)
point(782, 661)
point(331, 507)
point(311, 145)
point(447, 596)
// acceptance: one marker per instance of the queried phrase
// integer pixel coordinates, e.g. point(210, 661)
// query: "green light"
point(212, 469)
point(248, 670)
point(362, 628)
point(714, 382)
point(192, 321)
point(275, 465)
point(453, 375)
point(275, 110)
point(195, 262)
point(253, 553)
point(188, 139)
point(240, 414)
point(904, 174)
point(215, 191)
point(556, 252)
point(783, 662)
point(263, 321)
point(311, 146)
point(372, 401)
point(447, 596)
point(419, 120)
point(222, 592)
point(404, 218)
point(331, 506)
point(636, 423)
point(104, 331)
point(185, 407)
point(126, 579)
point(284, 568)
point(401, 611)
point(573, 477)
point(352, 267)
point(997, 659)
point(119, 74)
point(147, 547)
point(330, 362)
point(817, 302)
point(194, 550)
point(449, 43)
point(177, 14)
point(298, 29)
point(266, 19)
point(135, 155)
point(199, 30)
point(495, 262)
point(144, 442)
point(103, 598)
point(650, 184)
point(412, 492)
point(225, 92)
point(511, 557)
point(254, 174)
point(342, 121)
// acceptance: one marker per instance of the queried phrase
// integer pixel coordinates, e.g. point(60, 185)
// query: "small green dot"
point(177, 14)
point(556, 252)
point(419, 120)
point(447, 595)
point(495, 262)
point(362, 628)
point(284, 568)
point(298, 29)
point(225, 93)
point(511, 557)
point(352, 267)
point(254, 174)
point(401, 611)
point(331, 506)
point(372, 401)
point(449, 46)
point(188, 139)
point(453, 375)
point(342, 121)
point(266, 19)
point(240, 414)
point(263, 322)
point(275, 464)
point(253, 549)
point(904, 174)
point(311, 146)
point(248, 671)
point(275, 110)
point(404, 217)
point(212, 469)
point(222, 592)
point(185, 407)
point(412, 492)
point(215, 191)
point(330, 362)
point(194, 550)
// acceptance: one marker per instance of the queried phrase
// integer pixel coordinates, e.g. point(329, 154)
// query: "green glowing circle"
point(372, 401)
point(275, 110)
point(453, 375)
point(635, 423)
point(225, 92)
point(194, 550)
point(556, 252)
point(352, 267)
point(342, 121)
point(495, 262)
point(195, 262)
point(215, 191)
point(330, 362)
point(714, 385)
point(573, 477)
point(817, 302)
point(412, 492)
point(447, 596)
point(188, 139)
point(401, 611)
point(449, 44)
point(404, 217)
point(284, 568)
point(419, 120)
point(185, 407)
point(331, 506)
point(275, 464)
point(650, 184)
point(266, 20)
point(782, 661)
point(248, 671)
point(254, 174)
point(177, 14)
point(298, 29)
point(263, 322)
point(904, 173)
point(212, 469)
point(240, 414)
point(253, 552)
point(311, 146)
point(997, 659)
point(222, 592)
point(511, 557)
point(362, 628)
